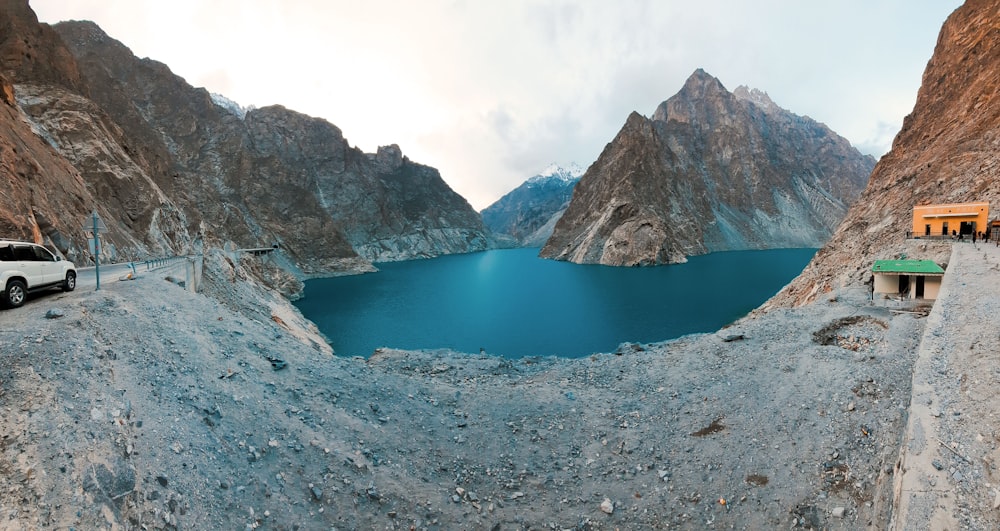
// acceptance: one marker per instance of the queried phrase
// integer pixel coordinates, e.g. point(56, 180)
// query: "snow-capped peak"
point(568, 173)
point(229, 105)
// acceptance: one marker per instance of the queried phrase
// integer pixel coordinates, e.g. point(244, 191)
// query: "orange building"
point(947, 220)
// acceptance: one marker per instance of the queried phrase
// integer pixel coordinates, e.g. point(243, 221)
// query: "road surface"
point(87, 278)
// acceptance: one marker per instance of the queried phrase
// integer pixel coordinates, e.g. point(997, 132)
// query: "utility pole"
point(95, 248)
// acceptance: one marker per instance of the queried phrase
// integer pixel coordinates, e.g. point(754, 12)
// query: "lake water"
point(512, 303)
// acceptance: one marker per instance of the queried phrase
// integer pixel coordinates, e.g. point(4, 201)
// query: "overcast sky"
point(490, 92)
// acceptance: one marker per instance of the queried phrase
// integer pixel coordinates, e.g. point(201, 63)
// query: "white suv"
point(26, 267)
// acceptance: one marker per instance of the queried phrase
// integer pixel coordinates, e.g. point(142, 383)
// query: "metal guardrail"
point(192, 265)
point(157, 263)
point(938, 237)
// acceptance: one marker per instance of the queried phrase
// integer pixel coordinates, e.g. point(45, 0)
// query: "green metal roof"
point(907, 267)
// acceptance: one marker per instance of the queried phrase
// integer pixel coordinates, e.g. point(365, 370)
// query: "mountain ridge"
point(185, 169)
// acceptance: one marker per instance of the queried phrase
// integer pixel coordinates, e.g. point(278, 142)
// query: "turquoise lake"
point(514, 304)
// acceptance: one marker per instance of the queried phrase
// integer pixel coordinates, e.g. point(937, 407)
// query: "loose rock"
point(607, 506)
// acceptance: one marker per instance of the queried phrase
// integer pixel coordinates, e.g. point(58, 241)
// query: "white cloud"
point(491, 92)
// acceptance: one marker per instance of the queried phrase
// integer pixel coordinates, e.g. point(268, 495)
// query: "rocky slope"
point(710, 171)
point(171, 170)
point(529, 212)
point(946, 152)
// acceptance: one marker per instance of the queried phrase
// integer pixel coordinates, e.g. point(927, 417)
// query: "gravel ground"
point(949, 475)
point(146, 406)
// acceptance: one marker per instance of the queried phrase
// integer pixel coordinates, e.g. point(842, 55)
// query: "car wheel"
point(15, 293)
point(70, 283)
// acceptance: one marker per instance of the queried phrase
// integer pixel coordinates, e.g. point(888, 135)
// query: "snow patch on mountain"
point(229, 105)
point(569, 173)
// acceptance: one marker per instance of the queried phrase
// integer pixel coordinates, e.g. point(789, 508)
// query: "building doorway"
point(944, 229)
point(904, 284)
point(919, 294)
point(927, 230)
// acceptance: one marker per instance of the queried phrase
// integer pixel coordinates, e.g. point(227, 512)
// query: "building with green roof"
point(911, 279)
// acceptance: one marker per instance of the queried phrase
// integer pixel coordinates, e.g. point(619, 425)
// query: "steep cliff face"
point(30, 51)
point(948, 151)
point(46, 198)
point(170, 169)
point(528, 213)
point(142, 218)
point(710, 171)
point(389, 207)
point(43, 198)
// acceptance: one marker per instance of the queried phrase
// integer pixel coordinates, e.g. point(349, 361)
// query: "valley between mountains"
point(146, 406)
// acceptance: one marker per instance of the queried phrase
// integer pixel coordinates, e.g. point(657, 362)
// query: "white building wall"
point(886, 283)
point(932, 286)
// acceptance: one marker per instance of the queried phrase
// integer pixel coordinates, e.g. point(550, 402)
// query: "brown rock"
point(6, 91)
point(32, 51)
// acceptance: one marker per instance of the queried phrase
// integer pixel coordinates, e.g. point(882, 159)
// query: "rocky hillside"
point(529, 212)
point(712, 170)
point(45, 198)
point(170, 169)
point(946, 152)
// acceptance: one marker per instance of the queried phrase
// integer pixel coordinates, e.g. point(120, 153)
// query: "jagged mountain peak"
point(699, 85)
point(700, 90)
point(758, 97)
point(700, 81)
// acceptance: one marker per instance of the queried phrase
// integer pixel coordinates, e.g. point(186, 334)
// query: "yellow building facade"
point(936, 221)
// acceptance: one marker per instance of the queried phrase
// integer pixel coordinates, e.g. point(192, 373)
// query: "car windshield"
point(42, 254)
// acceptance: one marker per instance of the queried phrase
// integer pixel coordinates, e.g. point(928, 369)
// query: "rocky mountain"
point(948, 151)
point(171, 168)
point(46, 198)
point(712, 170)
point(529, 212)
